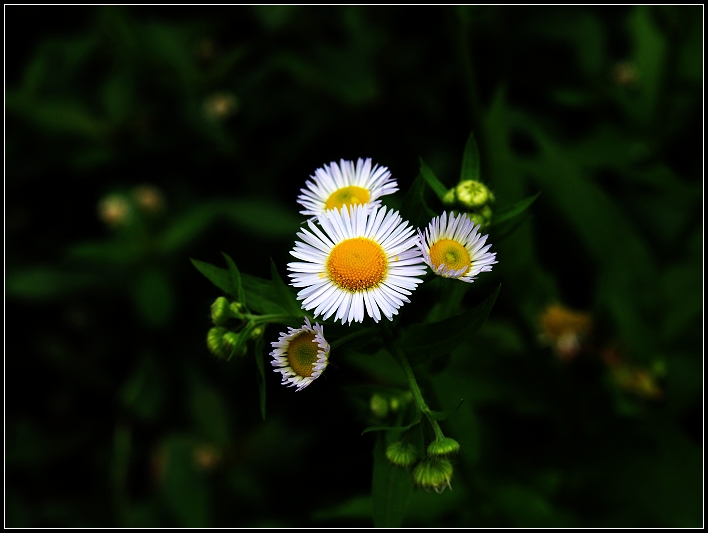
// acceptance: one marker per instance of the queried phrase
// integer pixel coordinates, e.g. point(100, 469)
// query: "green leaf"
point(425, 342)
point(470, 160)
point(287, 298)
point(218, 276)
point(414, 208)
point(391, 428)
point(442, 415)
point(236, 280)
point(509, 212)
point(431, 179)
point(262, 295)
point(391, 489)
point(44, 283)
point(261, 371)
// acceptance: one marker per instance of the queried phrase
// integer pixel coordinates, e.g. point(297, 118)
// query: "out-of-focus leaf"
point(152, 295)
point(209, 413)
point(287, 298)
point(506, 213)
point(425, 342)
point(391, 489)
point(470, 160)
point(356, 507)
point(40, 283)
point(261, 371)
point(432, 180)
point(143, 392)
point(184, 489)
point(121, 252)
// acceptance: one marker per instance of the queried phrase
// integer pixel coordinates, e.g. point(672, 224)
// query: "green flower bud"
point(378, 405)
point(395, 403)
point(449, 198)
point(486, 212)
point(257, 332)
point(433, 473)
point(443, 447)
point(472, 193)
point(232, 340)
point(236, 309)
point(401, 454)
point(215, 342)
point(220, 311)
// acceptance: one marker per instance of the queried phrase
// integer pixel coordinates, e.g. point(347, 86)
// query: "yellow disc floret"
point(357, 264)
point(350, 195)
point(302, 354)
point(450, 253)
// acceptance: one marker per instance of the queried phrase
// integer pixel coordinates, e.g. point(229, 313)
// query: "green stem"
point(268, 319)
point(417, 394)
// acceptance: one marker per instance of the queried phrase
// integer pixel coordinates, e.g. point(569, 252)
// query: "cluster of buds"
point(473, 198)
point(434, 471)
point(382, 405)
point(224, 342)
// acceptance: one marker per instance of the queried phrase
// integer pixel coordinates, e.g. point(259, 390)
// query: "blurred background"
point(140, 137)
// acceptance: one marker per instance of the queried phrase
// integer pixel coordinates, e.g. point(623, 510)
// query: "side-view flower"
point(301, 355)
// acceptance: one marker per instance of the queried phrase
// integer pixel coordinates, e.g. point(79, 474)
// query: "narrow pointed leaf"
point(519, 207)
point(432, 180)
point(218, 276)
point(442, 415)
point(391, 428)
point(470, 160)
point(236, 281)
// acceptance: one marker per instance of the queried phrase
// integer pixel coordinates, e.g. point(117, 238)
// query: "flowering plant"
point(362, 264)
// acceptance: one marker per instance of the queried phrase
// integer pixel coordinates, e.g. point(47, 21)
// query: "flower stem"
point(415, 389)
point(351, 336)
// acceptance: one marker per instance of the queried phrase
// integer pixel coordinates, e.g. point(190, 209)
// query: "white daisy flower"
point(334, 186)
point(453, 248)
point(300, 355)
point(357, 259)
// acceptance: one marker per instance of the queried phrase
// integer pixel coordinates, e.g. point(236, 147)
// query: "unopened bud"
point(401, 454)
point(443, 447)
point(220, 311)
point(472, 193)
point(215, 341)
point(433, 473)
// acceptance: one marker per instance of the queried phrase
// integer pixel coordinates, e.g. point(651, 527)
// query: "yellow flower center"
point(302, 354)
point(351, 195)
point(450, 253)
point(357, 264)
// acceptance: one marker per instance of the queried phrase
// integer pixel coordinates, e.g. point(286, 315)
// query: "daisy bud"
point(257, 332)
point(443, 447)
point(220, 311)
point(433, 473)
point(215, 342)
point(401, 454)
point(471, 194)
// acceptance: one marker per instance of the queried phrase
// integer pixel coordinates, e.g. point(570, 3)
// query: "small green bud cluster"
point(226, 343)
point(432, 472)
point(473, 198)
